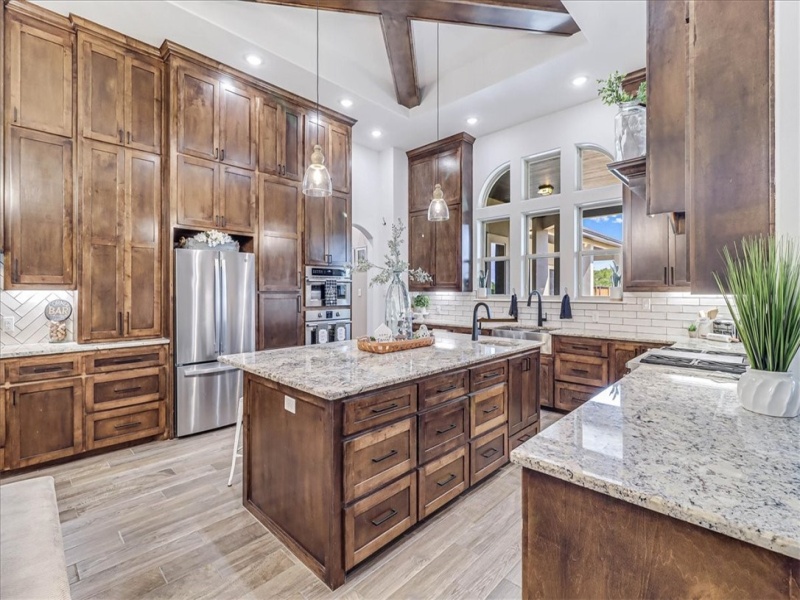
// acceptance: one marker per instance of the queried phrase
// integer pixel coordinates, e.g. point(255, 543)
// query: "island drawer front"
point(115, 390)
point(581, 346)
point(111, 427)
point(569, 396)
point(373, 522)
point(442, 480)
point(373, 459)
point(127, 358)
point(484, 376)
point(488, 409)
point(442, 388)
point(40, 368)
point(443, 429)
point(523, 436)
point(586, 370)
point(379, 408)
point(487, 454)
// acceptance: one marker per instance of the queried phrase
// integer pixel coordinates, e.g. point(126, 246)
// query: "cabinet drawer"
point(111, 427)
point(523, 436)
point(43, 367)
point(487, 454)
point(488, 375)
point(129, 358)
point(375, 458)
point(443, 429)
point(377, 409)
point(569, 396)
point(442, 388)
point(442, 480)
point(115, 390)
point(373, 522)
point(581, 346)
point(488, 409)
point(587, 370)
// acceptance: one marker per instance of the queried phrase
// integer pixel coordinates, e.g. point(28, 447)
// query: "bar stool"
point(238, 442)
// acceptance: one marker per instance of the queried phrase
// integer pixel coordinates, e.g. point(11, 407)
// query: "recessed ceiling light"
point(346, 102)
point(579, 81)
point(472, 120)
point(376, 133)
point(253, 59)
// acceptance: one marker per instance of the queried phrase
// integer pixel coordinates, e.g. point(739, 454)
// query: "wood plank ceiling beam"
point(542, 16)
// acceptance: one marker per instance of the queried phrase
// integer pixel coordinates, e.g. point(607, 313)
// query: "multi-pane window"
point(543, 175)
point(495, 264)
point(500, 192)
point(593, 169)
point(542, 257)
point(600, 251)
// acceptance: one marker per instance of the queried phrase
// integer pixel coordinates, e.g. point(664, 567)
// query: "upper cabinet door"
point(237, 128)
point(39, 69)
point(280, 210)
point(143, 244)
point(101, 76)
point(39, 211)
point(447, 265)
point(291, 141)
point(269, 153)
point(646, 253)
point(198, 189)
point(280, 143)
point(339, 157)
point(316, 250)
point(237, 199)
point(422, 178)
point(448, 175)
point(198, 114)
point(143, 89)
point(421, 246)
point(338, 230)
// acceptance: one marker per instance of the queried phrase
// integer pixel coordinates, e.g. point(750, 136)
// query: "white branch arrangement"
point(394, 264)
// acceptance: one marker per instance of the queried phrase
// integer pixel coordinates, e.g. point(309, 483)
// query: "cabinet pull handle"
point(13, 397)
point(128, 322)
point(581, 348)
point(16, 270)
point(489, 452)
point(121, 136)
point(388, 515)
point(446, 389)
point(127, 390)
point(672, 275)
point(384, 457)
point(524, 438)
point(491, 410)
point(222, 154)
point(665, 276)
point(385, 409)
point(446, 429)
point(490, 375)
point(119, 322)
point(125, 361)
point(582, 371)
point(130, 137)
point(224, 221)
point(216, 152)
point(128, 425)
point(15, 114)
point(48, 369)
point(446, 480)
point(298, 305)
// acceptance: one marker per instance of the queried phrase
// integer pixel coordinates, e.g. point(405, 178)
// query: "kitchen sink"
point(534, 335)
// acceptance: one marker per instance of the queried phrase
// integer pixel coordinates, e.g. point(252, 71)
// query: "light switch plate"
point(647, 305)
point(8, 324)
point(289, 404)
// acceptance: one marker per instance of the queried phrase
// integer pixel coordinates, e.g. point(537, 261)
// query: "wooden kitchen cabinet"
point(328, 229)
point(44, 421)
point(280, 320)
point(620, 354)
point(39, 72)
point(523, 392)
point(546, 378)
point(280, 138)
point(236, 199)
point(39, 211)
point(237, 127)
point(443, 249)
point(280, 226)
point(119, 93)
point(335, 139)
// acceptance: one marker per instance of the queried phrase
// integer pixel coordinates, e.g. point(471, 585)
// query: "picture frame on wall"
point(359, 254)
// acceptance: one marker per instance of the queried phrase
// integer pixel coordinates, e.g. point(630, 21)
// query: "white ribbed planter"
point(769, 393)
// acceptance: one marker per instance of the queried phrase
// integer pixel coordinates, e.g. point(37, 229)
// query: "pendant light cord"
point(437, 81)
point(317, 72)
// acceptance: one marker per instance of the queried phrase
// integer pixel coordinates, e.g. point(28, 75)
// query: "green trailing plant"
point(393, 262)
point(421, 301)
point(611, 92)
point(761, 286)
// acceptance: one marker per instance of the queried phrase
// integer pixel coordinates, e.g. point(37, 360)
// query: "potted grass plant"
point(761, 286)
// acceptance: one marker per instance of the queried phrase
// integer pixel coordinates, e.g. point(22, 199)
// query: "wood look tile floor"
point(158, 521)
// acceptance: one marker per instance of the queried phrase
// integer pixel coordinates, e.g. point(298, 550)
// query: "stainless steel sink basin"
point(534, 335)
point(498, 343)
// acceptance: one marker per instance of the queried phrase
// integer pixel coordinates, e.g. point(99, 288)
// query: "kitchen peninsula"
point(346, 450)
point(662, 486)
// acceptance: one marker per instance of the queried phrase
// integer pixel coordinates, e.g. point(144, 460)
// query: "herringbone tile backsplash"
point(27, 308)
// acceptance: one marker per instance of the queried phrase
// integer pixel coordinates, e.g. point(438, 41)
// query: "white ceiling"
point(501, 77)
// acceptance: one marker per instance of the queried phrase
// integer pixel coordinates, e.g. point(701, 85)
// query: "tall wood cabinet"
point(443, 249)
point(281, 141)
point(336, 142)
point(328, 229)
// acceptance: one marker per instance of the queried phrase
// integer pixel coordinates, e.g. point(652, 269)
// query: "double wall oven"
point(328, 297)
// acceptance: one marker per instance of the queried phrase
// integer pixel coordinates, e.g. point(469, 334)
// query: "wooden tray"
point(366, 345)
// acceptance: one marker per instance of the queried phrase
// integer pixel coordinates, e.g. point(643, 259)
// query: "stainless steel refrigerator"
point(214, 315)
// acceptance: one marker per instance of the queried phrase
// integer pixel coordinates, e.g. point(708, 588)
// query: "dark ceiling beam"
point(541, 16)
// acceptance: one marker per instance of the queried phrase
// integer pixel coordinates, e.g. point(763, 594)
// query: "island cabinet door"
point(443, 429)
point(488, 409)
point(379, 408)
point(441, 480)
point(546, 380)
point(523, 392)
point(487, 454)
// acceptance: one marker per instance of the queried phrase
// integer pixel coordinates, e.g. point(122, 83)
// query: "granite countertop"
point(22, 350)
point(340, 370)
point(678, 443)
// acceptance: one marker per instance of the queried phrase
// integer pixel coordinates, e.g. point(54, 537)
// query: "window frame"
point(482, 259)
point(527, 257)
point(605, 254)
point(540, 157)
point(579, 148)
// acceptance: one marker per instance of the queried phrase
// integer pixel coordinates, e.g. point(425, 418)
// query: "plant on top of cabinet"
point(630, 134)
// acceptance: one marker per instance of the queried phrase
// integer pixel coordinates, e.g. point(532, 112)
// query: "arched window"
point(592, 165)
point(497, 189)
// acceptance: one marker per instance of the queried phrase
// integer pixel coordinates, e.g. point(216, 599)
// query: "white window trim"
point(548, 154)
point(580, 253)
point(481, 251)
point(526, 257)
point(578, 183)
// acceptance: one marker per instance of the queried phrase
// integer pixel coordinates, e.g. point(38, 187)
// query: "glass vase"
point(398, 308)
point(630, 130)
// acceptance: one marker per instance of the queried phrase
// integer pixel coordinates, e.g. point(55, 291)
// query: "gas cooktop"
point(704, 360)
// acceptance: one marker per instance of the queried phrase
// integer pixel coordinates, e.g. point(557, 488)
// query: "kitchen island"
point(662, 486)
point(345, 450)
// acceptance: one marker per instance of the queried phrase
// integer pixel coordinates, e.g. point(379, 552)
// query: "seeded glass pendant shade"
point(437, 210)
point(317, 180)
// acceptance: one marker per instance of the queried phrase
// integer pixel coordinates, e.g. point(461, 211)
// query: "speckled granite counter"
point(680, 444)
point(19, 351)
point(339, 370)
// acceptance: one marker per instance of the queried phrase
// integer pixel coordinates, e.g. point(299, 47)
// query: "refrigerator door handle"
point(223, 303)
point(213, 371)
point(217, 306)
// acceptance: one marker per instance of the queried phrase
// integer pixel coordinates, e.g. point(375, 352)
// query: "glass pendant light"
point(317, 180)
point(437, 210)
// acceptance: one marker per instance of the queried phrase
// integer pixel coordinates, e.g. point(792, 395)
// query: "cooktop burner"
point(695, 363)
